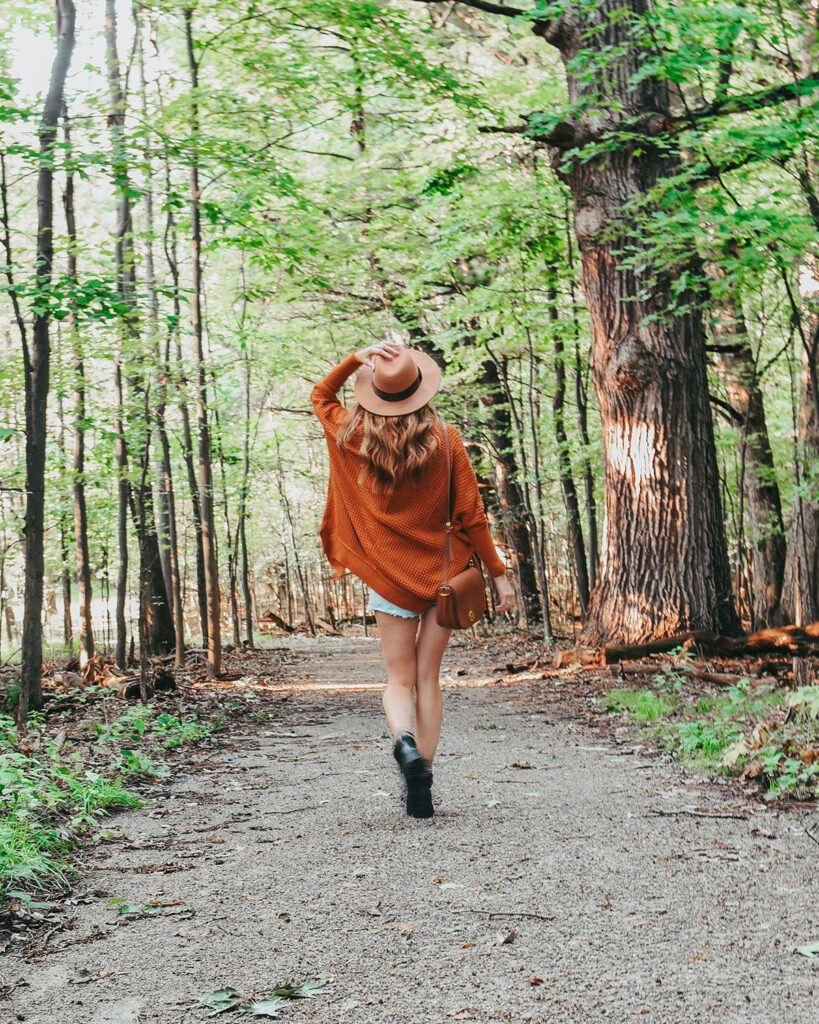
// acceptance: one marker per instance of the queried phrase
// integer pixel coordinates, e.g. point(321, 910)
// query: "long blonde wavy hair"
point(394, 448)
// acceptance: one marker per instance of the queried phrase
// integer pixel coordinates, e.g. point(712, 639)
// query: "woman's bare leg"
point(429, 651)
point(398, 645)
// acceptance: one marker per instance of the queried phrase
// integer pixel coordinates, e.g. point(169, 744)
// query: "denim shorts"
point(377, 603)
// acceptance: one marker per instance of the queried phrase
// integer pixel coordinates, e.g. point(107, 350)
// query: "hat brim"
point(430, 382)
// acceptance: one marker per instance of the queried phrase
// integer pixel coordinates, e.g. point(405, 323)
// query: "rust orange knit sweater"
point(395, 542)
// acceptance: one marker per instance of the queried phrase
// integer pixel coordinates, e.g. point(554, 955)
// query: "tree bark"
point(204, 446)
point(36, 367)
point(664, 566)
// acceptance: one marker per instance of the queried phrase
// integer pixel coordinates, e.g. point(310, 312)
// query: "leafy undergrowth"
point(760, 733)
point(65, 773)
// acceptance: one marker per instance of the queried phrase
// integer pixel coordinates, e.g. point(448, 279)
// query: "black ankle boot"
point(419, 794)
point(417, 773)
point(406, 754)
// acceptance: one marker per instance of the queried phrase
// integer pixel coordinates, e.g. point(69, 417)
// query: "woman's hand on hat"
point(387, 349)
point(506, 594)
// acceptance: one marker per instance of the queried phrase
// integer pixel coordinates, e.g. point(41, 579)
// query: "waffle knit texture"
point(395, 542)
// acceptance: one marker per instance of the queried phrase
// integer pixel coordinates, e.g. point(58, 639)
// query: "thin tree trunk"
point(65, 561)
point(187, 440)
point(204, 446)
point(36, 367)
point(122, 519)
point(737, 368)
point(231, 541)
point(800, 588)
point(305, 596)
point(535, 535)
point(241, 529)
point(575, 528)
point(509, 490)
point(154, 602)
point(168, 544)
point(581, 400)
point(84, 590)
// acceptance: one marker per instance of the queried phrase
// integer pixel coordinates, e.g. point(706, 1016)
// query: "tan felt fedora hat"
point(397, 386)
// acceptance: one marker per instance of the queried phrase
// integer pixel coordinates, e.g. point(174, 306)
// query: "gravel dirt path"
point(565, 877)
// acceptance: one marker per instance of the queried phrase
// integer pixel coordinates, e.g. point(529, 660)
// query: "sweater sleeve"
point(468, 514)
point(324, 396)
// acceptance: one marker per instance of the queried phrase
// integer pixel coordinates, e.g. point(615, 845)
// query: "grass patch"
point(766, 735)
point(53, 790)
point(641, 705)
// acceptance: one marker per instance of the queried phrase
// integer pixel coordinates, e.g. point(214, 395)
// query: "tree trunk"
point(241, 529)
point(508, 486)
point(204, 447)
point(664, 566)
point(168, 543)
point(529, 518)
point(36, 367)
point(564, 462)
point(122, 519)
point(581, 400)
point(84, 591)
point(187, 439)
point(800, 588)
point(65, 561)
point(159, 635)
point(736, 367)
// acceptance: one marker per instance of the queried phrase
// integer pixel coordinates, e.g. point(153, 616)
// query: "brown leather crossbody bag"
point(461, 599)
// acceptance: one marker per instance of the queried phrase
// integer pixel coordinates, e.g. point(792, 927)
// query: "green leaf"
point(307, 990)
point(264, 1007)
point(811, 950)
point(221, 1000)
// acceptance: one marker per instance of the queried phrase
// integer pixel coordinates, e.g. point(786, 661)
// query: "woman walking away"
point(385, 521)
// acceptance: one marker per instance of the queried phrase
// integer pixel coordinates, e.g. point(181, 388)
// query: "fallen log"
point(272, 619)
point(795, 640)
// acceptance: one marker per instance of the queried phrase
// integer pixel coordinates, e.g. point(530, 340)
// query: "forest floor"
point(569, 874)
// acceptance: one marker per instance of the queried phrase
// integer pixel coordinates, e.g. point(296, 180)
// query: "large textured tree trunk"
point(204, 448)
point(735, 364)
point(36, 367)
point(664, 566)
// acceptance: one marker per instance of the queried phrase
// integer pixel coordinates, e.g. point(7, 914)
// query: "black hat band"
point(399, 396)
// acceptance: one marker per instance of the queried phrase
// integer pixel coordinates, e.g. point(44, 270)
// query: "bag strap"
point(448, 534)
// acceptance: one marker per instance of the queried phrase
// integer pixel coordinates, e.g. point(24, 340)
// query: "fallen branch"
point(505, 913)
point(696, 814)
